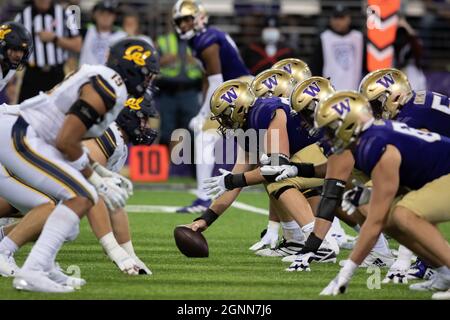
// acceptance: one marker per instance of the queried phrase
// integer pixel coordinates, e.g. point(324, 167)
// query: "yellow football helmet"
point(306, 96)
point(273, 83)
point(230, 104)
point(296, 67)
point(342, 117)
point(387, 90)
point(189, 8)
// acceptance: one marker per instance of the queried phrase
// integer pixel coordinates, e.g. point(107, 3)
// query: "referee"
point(46, 22)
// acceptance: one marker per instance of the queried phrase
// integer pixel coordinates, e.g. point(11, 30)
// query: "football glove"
point(114, 196)
point(124, 183)
point(339, 284)
point(357, 196)
point(281, 172)
point(215, 186)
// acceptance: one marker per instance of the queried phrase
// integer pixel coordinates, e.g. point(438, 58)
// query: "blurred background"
point(266, 31)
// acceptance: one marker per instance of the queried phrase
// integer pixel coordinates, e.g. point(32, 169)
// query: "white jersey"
point(113, 147)
point(343, 58)
point(45, 113)
point(4, 78)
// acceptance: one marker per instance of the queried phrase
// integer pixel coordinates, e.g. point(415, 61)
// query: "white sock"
point(381, 246)
point(308, 228)
point(60, 224)
point(204, 158)
point(2, 233)
point(128, 247)
point(8, 245)
point(404, 257)
point(292, 231)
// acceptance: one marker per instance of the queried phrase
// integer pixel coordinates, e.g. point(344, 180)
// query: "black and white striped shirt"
point(54, 20)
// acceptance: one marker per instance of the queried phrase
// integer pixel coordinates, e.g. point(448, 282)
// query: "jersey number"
point(427, 136)
point(441, 103)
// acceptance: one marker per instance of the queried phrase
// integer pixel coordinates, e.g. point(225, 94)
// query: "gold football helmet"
point(342, 116)
point(189, 8)
point(296, 67)
point(230, 103)
point(273, 83)
point(387, 90)
point(306, 96)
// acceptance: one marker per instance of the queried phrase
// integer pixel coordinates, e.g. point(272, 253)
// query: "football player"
point(394, 155)
point(16, 47)
point(221, 61)
point(236, 106)
point(391, 97)
point(43, 148)
point(109, 150)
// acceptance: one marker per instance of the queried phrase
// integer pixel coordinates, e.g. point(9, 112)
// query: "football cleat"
point(376, 259)
point(436, 283)
point(283, 249)
point(420, 270)
point(323, 255)
point(38, 281)
point(444, 295)
point(326, 253)
point(197, 206)
point(8, 266)
point(58, 276)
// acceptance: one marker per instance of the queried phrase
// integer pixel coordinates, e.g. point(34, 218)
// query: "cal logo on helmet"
point(136, 54)
point(229, 96)
point(313, 89)
point(134, 104)
point(342, 108)
point(386, 80)
point(4, 30)
point(271, 81)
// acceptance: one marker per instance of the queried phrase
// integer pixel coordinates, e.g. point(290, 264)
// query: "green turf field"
point(231, 271)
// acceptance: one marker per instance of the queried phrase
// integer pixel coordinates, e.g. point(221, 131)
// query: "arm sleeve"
point(214, 81)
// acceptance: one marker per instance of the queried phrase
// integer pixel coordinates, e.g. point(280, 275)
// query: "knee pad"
point(332, 192)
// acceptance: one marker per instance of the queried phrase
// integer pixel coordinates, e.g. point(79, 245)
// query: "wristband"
point(233, 181)
point(209, 216)
point(305, 170)
point(82, 162)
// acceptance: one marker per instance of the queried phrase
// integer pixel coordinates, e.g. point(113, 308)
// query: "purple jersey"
point(425, 155)
point(427, 110)
point(231, 62)
point(261, 114)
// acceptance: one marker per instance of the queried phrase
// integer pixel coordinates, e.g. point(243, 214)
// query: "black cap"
point(340, 11)
point(106, 5)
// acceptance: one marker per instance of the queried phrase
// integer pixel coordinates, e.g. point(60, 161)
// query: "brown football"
point(191, 243)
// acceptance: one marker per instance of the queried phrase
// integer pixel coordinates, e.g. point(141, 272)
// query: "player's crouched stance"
point(394, 155)
point(43, 147)
point(112, 230)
